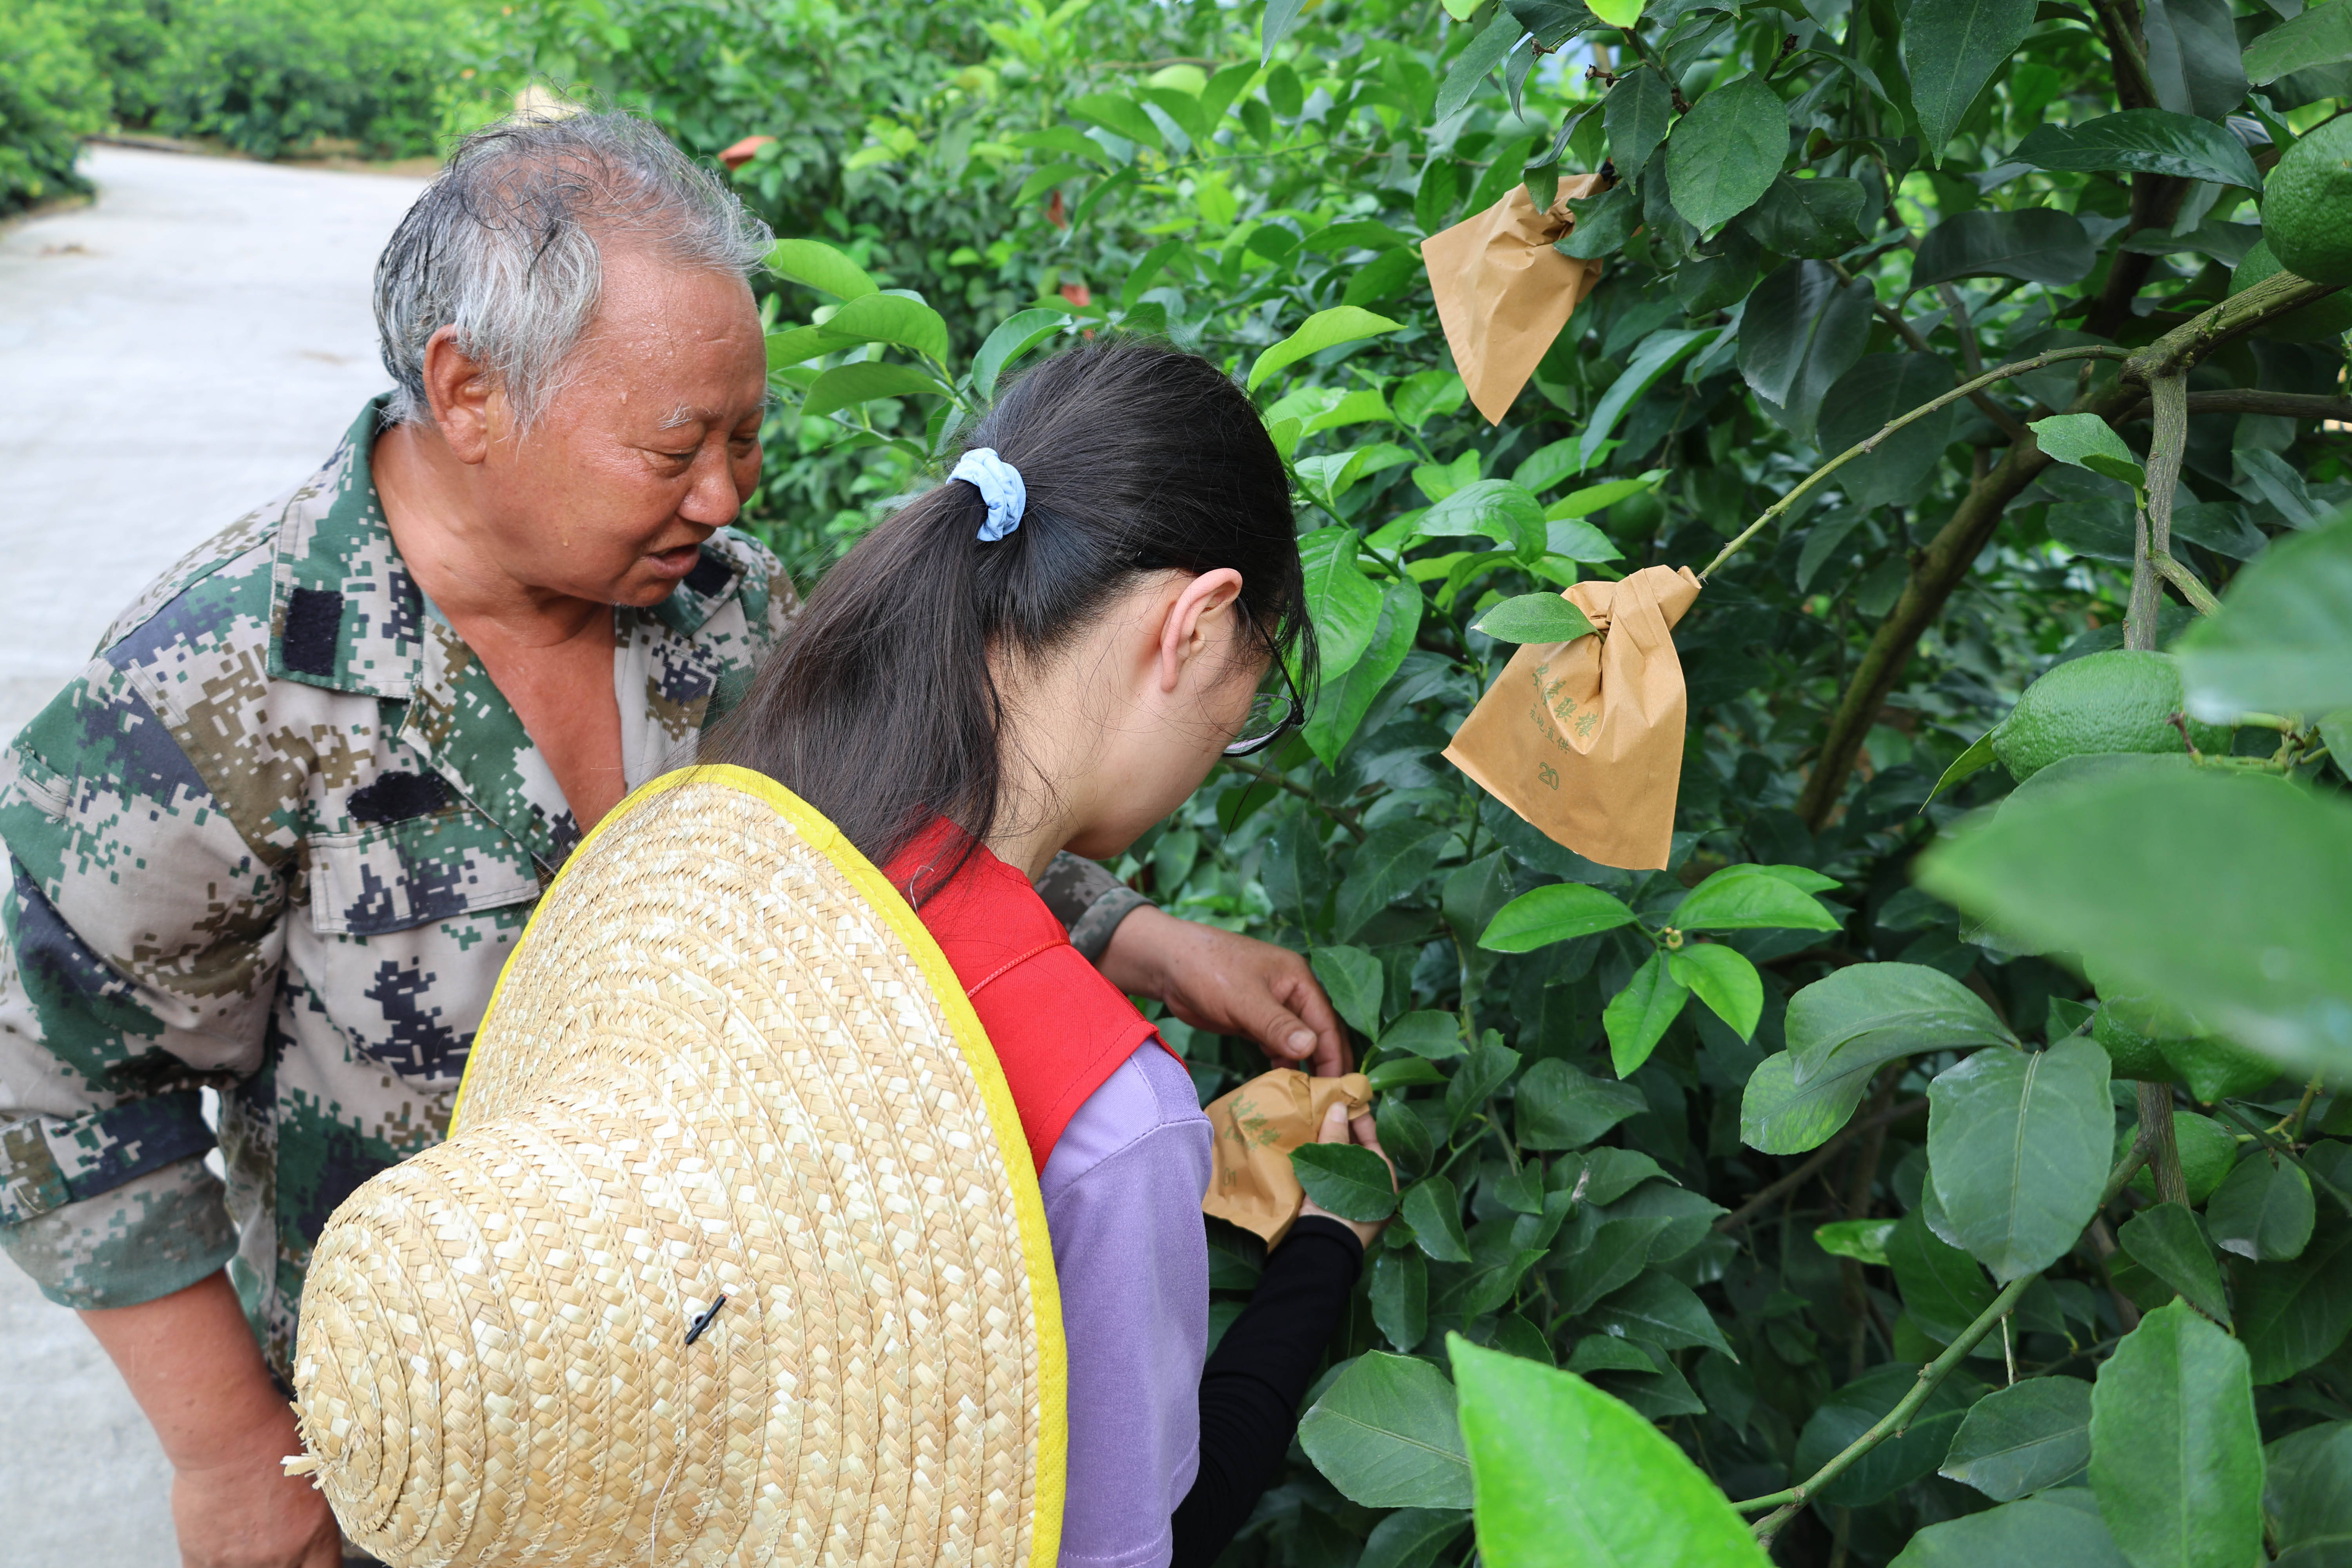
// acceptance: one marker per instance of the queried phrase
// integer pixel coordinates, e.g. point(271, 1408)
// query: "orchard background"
point(1903, 1175)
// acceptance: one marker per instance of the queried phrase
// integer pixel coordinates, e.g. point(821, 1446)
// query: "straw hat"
point(725, 1059)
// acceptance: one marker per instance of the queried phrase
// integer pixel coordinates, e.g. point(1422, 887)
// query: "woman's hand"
point(1230, 985)
point(1337, 1129)
point(243, 1510)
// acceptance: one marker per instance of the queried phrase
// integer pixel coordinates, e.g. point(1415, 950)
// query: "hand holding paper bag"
point(1256, 1127)
point(1584, 739)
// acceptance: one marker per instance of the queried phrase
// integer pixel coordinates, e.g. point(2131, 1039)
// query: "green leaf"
point(1489, 1067)
point(2087, 441)
point(1014, 337)
point(1880, 1011)
point(2305, 1500)
point(2021, 1439)
point(1346, 1178)
point(2293, 1316)
point(1557, 1106)
point(1595, 497)
point(2071, 869)
point(2282, 641)
point(1726, 152)
point(1281, 15)
point(2018, 1147)
point(2165, 1241)
point(2175, 1458)
point(1352, 978)
point(1607, 1174)
point(1569, 1478)
point(1777, 1115)
point(1914, 1452)
point(1400, 1298)
point(2039, 245)
point(1659, 353)
point(1534, 618)
point(798, 345)
point(1341, 600)
point(1750, 898)
point(2192, 57)
point(1482, 55)
point(1120, 116)
point(1323, 330)
point(1803, 329)
point(1346, 698)
point(1863, 1240)
point(1433, 1209)
point(2042, 1532)
point(1943, 1288)
point(1493, 509)
point(891, 319)
point(1413, 1537)
point(2262, 1210)
point(1602, 223)
point(1434, 1036)
point(1662, 1309)
point(1976, 759)
point(1635, 114)
point(1560, 912)
point(2142, 142)
point(1045, 179)
point(1067, 141)
point(1724, 979)
point(1950, 50)
point(1878, 389)
point(846, 385)
point(1388, 864)
point(1573, 539)
point(1815, 219)
point(1636, 1017)
point(1385, 1435)
point(2322, 35)
point(1620, 13)
point(820, 267)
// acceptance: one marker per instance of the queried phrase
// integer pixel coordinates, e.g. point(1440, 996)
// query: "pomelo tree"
point(1946, 1157)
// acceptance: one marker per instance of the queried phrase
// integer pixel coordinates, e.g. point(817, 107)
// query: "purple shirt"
point(1122, 1193)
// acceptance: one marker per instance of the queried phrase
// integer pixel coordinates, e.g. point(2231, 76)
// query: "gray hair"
point(504, 246)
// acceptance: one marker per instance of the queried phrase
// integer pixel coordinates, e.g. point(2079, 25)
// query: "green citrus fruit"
point(2113, 701)
point(2315, 322)
point(2207, 1152)
point(2308, 205)
point(2130, 1054)
point(2215, 1068)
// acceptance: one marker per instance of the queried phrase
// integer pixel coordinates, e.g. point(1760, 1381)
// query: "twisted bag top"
point(725, 1059)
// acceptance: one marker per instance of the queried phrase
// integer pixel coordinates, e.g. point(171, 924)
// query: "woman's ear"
point(460, 395)
point(1192, 622)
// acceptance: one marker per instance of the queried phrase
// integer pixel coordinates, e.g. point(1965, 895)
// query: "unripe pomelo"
point(2119, 701)
point(2308, 205)
point(2215, 1068)
point(2130, 1054)
point(2318, 321)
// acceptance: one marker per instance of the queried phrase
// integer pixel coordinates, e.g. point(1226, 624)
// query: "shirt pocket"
point(407, 873)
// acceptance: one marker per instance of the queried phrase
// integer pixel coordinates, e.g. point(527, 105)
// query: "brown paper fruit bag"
point(1503, 293)
point(1584, 739)
point(1256, 1127)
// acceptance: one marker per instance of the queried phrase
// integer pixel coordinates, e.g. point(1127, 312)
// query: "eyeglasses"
point(1271, 714)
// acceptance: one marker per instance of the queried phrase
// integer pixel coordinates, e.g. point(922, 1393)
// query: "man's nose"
point(711, 497)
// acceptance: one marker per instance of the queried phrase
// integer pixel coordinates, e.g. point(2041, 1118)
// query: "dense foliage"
point(51, 96)
point(1930, 1220)
point(1746, 1142)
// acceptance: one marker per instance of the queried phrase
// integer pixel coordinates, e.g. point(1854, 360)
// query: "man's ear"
point(467, 409)
point(1193, 620)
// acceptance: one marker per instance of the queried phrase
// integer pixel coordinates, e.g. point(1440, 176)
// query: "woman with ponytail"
point(1051, 652)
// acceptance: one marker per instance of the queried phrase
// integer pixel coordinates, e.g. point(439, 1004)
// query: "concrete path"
point(170, 358)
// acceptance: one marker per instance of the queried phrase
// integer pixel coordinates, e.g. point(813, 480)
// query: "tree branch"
point(1940, 567)
point(2255, 400)
point(2201, 598)
point(1931, 1376)
point(1814, 1162)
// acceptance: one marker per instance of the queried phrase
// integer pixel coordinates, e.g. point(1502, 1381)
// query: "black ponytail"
point(880, 711)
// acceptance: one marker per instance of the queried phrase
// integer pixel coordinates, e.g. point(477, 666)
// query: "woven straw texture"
point(726, 1058)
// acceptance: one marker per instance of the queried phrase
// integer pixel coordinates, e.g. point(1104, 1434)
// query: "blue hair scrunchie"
point(999, 484)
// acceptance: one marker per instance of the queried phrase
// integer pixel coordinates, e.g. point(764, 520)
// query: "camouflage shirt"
point(276, 840)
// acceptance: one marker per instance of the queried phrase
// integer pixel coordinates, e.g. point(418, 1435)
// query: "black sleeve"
point(1251, 1388)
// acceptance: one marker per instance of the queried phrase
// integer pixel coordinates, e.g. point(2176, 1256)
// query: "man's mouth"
point(675, 562)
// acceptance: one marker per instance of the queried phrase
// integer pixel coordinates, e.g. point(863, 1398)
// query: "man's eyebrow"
point(685, 415)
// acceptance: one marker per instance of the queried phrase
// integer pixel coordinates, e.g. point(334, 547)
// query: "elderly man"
point(281, 834)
